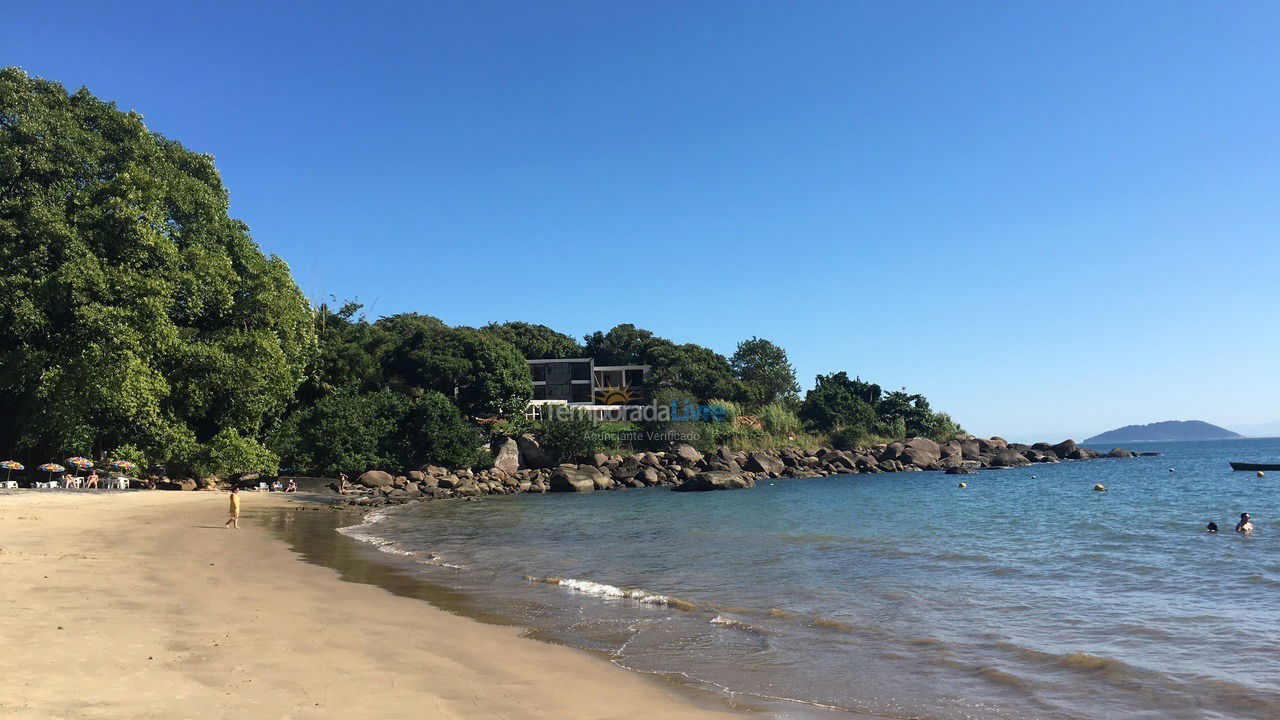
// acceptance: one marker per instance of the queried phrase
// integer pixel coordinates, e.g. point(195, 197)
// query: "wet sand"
point(140, 605)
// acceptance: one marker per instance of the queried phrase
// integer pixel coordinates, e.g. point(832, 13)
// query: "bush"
point(432, 430)
point(229, 453)
point(570, 435)
point(778, 419)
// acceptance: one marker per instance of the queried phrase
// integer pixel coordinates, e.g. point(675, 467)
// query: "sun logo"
point(610, 395)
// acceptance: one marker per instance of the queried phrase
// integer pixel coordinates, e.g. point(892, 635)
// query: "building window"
point(581, 393)
point(538, 371)
point(539, 392)
point(582, 371)
point(634, 378)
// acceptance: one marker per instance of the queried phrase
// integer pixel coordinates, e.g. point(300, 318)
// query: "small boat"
point(1255, 466)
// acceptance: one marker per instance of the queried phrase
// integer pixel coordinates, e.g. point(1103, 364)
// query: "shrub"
point(570, 435)
point(779, 419)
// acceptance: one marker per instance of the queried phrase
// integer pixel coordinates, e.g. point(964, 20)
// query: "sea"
point(1026, 594)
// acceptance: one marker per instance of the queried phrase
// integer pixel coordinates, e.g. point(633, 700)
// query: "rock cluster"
point(520, 466)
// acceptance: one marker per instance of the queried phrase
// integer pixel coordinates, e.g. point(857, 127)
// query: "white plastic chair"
point(121, 483)
point(277, 486)
point(262, 487)
point(9, 484)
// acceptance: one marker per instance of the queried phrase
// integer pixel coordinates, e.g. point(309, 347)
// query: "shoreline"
point(140, 605)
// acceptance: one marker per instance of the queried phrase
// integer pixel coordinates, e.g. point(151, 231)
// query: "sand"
point(140, 605)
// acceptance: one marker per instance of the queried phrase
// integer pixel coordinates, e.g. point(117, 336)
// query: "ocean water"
point(1026, 595)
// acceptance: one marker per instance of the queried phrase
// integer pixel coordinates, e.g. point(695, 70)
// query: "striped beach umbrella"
point(123, 465)
point(11, 465)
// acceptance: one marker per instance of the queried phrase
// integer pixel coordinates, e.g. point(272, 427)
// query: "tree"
point(837, 401)
point(483, 375)
point(690, 368)
point(625, 344)
point(431, 430)
point(133, 309)
point(764, 371)
point(570, 435)
point(535, 342)
point(348, 354)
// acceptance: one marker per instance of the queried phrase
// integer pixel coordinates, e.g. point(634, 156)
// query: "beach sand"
point(141, 605)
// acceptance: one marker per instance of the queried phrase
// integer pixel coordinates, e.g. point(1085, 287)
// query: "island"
point(1167, 431)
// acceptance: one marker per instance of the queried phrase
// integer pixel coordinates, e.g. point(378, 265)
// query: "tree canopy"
point(764, 371)
point(133, 309)
point(535, 342)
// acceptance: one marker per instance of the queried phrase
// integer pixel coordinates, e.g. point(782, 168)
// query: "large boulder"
point(506, 455)
point(921, 452)
point(375, 479)
point(689, 455)
point(567, 478)
point(1007, 457)
point(532, 456)
point(716, 480)
point(892, 451)
point(763, 462)
point(1064, 449)
point(1119, 453)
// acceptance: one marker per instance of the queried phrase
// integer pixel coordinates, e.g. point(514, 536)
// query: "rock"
point(1064, 449)
point(375, 479)
point(921, 452)
point(1119, 453)
point(532, 456)
point(959, 470)
point(688, 455)
point(416, 476)
point(763, 462)
point(716, 480)
point(1005, 457)
point(567, 478)
point(1081, 453)
point(599, 460)
point(970, 450)
point(649, 476)
point(506, 455)
point(892, 451)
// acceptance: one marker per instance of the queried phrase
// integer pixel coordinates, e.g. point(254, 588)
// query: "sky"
point(1050, 218)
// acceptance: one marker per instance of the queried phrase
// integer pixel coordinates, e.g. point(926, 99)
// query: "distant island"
point(1163, 432)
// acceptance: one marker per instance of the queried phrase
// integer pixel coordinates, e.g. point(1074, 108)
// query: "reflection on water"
point(900, 595)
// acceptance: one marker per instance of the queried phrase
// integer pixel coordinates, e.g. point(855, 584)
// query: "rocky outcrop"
point(715, 480)
point(375, 479)
point(684, 467)
point(582, 479)
point(506, 455)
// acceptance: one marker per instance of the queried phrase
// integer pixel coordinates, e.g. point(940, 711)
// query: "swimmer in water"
point(1244, 527)
point(1212, 527)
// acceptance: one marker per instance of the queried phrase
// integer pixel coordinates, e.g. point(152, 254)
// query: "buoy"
point(1260, 474)
point(962, 485)
point(1170, 469)
point(1100, 487)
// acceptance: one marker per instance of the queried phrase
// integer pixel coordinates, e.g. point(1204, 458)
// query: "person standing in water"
point(1212, 527)
point(1244, 527)
point(234, 510)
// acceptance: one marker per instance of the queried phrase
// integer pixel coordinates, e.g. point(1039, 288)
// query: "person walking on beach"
point(234, 510)
point(1244, 527)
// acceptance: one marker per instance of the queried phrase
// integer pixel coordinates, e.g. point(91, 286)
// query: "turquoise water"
point(901, 594)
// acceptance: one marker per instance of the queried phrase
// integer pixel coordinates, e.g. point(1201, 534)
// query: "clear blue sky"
point(1050, 218)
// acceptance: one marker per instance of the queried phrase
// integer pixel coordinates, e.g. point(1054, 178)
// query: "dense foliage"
point(133, 309)
point(138, 321)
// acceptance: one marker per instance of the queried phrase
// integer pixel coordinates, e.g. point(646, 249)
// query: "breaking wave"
point(587, 587)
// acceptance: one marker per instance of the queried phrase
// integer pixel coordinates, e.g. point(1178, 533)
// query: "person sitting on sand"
point(1212, 527)
point(91, 481)
point(234, 509)
point(292, 486)
point(1244, 527)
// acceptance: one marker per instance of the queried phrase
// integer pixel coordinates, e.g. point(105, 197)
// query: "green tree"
point(431, 430)
point(133, 309)
point(482, 374)
point(348, 354)
point(570, 435)
point(764, 371)
point(535, 342)
point(625, 344)
point(838, 401)
point(693, 369)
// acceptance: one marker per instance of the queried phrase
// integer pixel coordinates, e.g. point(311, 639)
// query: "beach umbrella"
point(11, 465)
point(123, 465)
point(52, 468)
point(80, 462)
